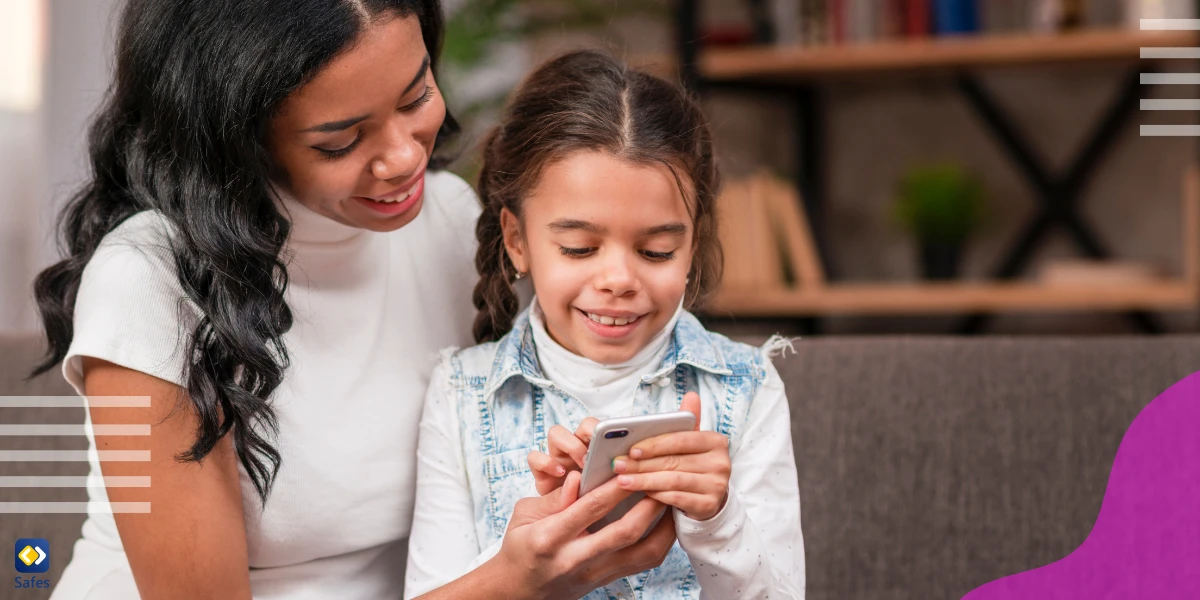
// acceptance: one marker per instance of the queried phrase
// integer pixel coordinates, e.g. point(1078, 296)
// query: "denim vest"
point(506, 406)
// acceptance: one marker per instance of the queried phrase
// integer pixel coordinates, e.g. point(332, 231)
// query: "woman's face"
point(354, 142)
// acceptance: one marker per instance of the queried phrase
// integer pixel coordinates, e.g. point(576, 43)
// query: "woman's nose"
point(401, 156)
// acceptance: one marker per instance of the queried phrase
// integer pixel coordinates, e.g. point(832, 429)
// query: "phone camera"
point(619, 433)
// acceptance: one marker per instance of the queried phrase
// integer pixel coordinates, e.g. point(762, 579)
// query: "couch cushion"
point(930, 466)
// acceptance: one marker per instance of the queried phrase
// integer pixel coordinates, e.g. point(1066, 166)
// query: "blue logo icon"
point(31, 555)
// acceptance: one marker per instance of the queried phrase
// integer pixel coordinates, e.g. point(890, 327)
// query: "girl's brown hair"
point(589, 101)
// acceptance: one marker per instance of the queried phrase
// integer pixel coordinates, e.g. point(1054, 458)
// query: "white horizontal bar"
point(1171, 104)
point(74, 401)
point(54, 481)
point(1170, 24)
point(1170, 131)
point(1170, 78)
point(73, 455)
point(70, 430)
point(1169, 52)
point(30, 508)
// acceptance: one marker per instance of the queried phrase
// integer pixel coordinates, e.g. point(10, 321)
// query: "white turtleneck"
point(606, 390)
point(371, 311)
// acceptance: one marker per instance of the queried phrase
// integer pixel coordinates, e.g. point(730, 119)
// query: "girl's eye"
point(340, 152)
point(575, 252)
point(658, 256)
point(419, 102)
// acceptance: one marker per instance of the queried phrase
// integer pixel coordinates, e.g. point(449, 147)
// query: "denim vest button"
point(663, 381)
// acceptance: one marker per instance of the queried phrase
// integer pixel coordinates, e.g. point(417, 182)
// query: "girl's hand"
point(548, 553)
point(689, 471)
point(567, 451)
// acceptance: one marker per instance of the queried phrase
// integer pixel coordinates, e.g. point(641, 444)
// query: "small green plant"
point(939, 203)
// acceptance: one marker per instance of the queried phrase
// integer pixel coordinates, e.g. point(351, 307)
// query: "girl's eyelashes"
point(658, 256)
point(340, 152)
point(575, 252)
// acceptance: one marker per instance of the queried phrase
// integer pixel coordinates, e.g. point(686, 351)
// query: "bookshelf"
point(767, 295)
point(773, 63)
point(795, 75)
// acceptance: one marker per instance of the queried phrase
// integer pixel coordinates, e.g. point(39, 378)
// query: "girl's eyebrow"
point(344, 124)
point(563, 225)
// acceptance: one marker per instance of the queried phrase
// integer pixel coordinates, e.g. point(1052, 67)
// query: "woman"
point(267, 252)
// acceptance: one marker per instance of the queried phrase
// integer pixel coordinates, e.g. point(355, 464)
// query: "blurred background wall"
point(876, 129)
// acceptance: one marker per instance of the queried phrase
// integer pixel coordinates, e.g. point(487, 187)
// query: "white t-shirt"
point(371, 311)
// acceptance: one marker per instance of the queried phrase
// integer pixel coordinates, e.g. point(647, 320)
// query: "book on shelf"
point(765, 236)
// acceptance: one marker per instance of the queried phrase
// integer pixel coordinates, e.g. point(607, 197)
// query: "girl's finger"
point(540, 462)
point(561, 442)
point(662, 481)
point(689, 442)
point(708, 462)
point(586, 429)
point(700, 507)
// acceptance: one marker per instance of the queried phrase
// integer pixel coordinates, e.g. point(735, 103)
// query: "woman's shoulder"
point(136, 250)
point(450, 196)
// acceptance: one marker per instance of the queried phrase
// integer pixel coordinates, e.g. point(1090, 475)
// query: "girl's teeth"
point(603, 320)
point(400, 198)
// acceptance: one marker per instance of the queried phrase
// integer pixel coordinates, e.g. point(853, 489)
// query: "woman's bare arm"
point(192, 544)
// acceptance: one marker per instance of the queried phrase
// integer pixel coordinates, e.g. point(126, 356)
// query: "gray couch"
point(928, 466)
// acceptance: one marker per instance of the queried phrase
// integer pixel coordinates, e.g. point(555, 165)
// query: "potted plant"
point(940, 205)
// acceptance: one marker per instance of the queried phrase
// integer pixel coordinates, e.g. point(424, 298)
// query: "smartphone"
point(613, 438)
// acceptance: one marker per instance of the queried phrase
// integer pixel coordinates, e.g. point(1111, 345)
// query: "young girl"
point(599, 186)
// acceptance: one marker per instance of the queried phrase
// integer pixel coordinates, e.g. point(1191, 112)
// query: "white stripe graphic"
point(73, 455)
point(74, 402)
point(49, 481)
point(1170, 104)
point(72, 430)
point(1170, 78)
point(1166, 52)
point(1170, 24)
point(1170, 130)
point(30, 508)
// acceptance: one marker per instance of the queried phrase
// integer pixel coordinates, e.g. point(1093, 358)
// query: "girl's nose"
point(400, 157)
point(616, 275)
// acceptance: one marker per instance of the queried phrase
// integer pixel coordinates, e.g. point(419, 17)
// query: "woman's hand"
point(689, 471)
point(548, 550)
point(567, 451)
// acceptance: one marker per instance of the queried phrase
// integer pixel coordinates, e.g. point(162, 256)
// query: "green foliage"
point(939, 203)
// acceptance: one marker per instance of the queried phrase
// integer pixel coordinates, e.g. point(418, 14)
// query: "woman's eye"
point(419, 102)
point(339, 152)
point(658, 256)
point(575, 252)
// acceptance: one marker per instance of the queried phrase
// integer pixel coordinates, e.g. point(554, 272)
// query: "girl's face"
point(608, 245)
point(353, 143)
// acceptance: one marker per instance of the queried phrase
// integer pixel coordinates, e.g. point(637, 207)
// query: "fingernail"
point(635, 453)
point(618, 465)
point(560, 471)
point(625, 480)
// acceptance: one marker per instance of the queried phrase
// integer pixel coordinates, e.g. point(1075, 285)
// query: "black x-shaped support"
point(1058, 196)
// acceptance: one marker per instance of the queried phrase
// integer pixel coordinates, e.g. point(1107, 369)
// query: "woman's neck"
point(311, 227)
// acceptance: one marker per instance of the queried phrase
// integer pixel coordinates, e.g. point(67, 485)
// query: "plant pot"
point(940, 260)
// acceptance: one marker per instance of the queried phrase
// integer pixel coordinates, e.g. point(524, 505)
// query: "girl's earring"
point(518, 275)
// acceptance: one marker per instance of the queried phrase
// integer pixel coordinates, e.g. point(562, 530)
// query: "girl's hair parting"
point(589, 101)
point(183, 131)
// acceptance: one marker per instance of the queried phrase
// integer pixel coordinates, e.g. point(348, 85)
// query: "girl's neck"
point(606, 390)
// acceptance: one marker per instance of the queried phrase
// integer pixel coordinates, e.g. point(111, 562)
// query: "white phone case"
point(615, 437)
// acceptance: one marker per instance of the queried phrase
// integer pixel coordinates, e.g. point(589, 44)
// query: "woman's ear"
point(514, 242)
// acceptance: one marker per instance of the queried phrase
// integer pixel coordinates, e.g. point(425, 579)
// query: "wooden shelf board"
point(774, 63)
point(950, 298)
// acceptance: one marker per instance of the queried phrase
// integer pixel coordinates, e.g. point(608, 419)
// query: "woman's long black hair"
point(182, 131)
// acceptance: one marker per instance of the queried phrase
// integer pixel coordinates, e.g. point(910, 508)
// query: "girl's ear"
point(514, 242)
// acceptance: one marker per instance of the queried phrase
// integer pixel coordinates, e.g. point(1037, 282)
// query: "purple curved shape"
point(1146, 541)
